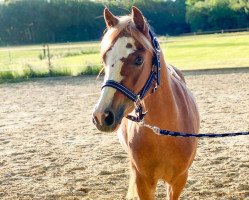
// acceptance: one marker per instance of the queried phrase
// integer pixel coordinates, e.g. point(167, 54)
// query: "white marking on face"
point(113, 68)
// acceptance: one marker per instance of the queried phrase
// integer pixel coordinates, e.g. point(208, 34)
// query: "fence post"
point(49, 61)
point(10, 60)
point(44, 51)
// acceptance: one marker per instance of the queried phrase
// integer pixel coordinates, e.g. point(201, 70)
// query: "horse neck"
point(161, 104)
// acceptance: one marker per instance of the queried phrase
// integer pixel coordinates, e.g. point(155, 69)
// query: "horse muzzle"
point(107, 120)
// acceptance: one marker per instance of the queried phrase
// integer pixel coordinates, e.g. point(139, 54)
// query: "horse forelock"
point(125, 27)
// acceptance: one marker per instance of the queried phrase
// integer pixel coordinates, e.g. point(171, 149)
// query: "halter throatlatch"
point(153, 78)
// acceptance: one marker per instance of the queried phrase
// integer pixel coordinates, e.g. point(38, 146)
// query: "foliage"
point(43, 21)
point(55, 21)
point(207, 15)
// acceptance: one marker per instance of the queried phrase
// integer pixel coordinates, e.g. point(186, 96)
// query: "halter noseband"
point(153, 78)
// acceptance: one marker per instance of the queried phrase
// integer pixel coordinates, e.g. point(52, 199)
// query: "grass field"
point(187, 53)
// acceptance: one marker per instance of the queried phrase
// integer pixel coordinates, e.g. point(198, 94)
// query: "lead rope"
point(162, 132)
point(139, 119)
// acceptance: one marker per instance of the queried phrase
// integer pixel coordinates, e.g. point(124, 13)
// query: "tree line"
point(52, 21)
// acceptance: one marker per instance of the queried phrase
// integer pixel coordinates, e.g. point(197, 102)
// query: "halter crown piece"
point(153, 78)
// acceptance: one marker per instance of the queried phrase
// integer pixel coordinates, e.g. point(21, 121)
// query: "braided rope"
point(202, 135)
point(161, 132)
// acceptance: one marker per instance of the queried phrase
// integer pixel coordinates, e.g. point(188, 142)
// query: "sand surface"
point(49, 149)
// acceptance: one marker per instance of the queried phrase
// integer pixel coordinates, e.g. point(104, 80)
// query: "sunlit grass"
point(186, 52)
point(212, 51)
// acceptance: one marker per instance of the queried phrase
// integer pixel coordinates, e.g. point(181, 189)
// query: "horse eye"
point(139, 61)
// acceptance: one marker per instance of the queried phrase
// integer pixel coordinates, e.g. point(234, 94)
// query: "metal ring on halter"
point(138, 102)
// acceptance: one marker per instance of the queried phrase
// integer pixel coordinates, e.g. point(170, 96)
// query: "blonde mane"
point(125, 24)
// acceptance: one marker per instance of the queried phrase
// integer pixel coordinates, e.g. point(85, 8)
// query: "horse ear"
point(139, 20)
point(110, 19)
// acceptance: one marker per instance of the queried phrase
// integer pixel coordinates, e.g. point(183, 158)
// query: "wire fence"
point(49, 58)
point(217, 31)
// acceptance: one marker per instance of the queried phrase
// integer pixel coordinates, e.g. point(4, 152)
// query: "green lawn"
point(187, 52)
point(206, 52)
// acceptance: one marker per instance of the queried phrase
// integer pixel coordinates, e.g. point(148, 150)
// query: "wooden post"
point(10, 60)
point(44, 51)
point(49, 61)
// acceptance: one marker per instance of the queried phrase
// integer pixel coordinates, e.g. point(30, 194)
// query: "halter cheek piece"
point(153, 78)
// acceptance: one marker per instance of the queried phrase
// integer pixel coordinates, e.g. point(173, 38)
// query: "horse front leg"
point(144, 186)
point(177, 186)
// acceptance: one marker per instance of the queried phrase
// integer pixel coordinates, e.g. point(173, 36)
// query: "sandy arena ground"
point(49, 149)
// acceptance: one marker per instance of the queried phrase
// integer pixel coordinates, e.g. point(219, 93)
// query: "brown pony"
point(127, 54)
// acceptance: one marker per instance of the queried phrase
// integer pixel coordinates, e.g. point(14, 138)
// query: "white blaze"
point(113, 68)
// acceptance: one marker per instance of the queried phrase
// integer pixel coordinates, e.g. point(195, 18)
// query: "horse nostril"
point(95, 120)
point(109, 118)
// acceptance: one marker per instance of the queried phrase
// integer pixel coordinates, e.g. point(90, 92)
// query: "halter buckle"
point(154, 68)
point(155, 88)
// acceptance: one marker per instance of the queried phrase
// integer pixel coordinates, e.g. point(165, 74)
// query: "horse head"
point(127, 55)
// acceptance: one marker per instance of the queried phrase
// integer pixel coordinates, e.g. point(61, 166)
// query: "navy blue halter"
point(153, 78)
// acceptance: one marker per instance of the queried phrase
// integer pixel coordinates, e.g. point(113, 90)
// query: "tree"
point(44, 21)
point(217, 14)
